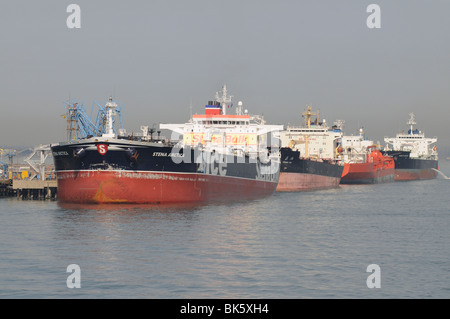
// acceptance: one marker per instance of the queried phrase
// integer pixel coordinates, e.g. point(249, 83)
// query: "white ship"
point(415, 156)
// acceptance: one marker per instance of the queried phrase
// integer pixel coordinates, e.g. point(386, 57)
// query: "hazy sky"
point(156, 57)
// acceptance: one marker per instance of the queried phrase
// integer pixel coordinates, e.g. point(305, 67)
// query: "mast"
point(239, 108)
point(73, 127)
point(307, 116)
point(411, 122)
point(110, 107)
point(224, 100)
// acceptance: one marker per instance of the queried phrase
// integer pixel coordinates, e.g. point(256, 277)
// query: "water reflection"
point(289, 245)
point(130, 207)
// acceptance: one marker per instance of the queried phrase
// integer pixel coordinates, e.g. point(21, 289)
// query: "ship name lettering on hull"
point(162, 154)
point(61, 153)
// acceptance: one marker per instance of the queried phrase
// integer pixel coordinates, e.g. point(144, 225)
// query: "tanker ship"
point(364, 163)
point(414, 155)
point(213, 157)
point(309, 155)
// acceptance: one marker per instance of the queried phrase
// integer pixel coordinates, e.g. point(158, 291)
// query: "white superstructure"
point(413, 141)
point(356, 148)
point(226, 133)
point(314, 139)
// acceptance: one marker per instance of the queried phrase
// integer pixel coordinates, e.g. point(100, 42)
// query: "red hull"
point(155, 187)
point(291, 182)
point(367, 173)
point(377, 169)
point(414, 174)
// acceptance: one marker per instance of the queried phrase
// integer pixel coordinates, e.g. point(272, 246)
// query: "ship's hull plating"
point(300, 174)
point(295, 182)
point(155, 187)
point(414, 174)
point(367, 173)
point(407, 168)
point(138, 173)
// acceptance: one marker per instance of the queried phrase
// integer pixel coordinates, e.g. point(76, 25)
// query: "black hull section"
point(292, 163)
point(154, 157)
point(407, 168)
point(404, 161)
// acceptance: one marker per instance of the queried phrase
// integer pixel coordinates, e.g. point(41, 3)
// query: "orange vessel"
point(364, 163)
point(377, 169)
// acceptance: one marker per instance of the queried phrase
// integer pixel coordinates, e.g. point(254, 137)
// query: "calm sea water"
point(291, 245)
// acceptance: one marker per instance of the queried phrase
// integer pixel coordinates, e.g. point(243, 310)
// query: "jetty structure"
point(33, 178)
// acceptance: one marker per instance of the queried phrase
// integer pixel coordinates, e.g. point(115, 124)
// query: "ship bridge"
point(414, 141)
point(219, 130)
point(314, 138)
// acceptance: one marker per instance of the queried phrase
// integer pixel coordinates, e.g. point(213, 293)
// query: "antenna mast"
point(411, 122)
point(224, 100)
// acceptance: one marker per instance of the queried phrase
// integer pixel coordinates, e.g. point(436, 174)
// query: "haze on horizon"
point(158, 57)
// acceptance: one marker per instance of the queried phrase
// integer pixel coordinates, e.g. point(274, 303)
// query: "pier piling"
point(29, 189)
